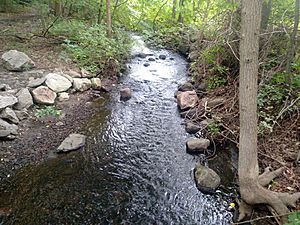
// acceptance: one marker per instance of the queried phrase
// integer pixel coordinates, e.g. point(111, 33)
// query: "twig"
point(281, 163)
point(50, 26)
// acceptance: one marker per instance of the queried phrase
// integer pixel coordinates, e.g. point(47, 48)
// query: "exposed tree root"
point(254, 193)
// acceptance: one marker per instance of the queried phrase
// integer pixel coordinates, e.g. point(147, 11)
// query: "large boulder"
point(9, 115)
point(207, 180)
point(197, 145)
point(187, 99)
point(43, 95)
point(16, 61)
point(7, 100)
point(25, 100)
point(125, 94)
point(57, 82)
point(72, 142)
point(8, 130)
point(82, 84)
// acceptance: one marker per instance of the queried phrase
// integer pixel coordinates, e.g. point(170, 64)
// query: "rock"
point(163, 57)
point(72, 142)
point(186, 87)
point(206, 122)
point(9, 115)
point(85, 73)
point(7, 100)
point(197, 145)
point(207, 180)
point(187, 99)
point(211, 103)
point(142, 55)
point(63, 96)
point(22, 114)
point(183, 49)
point(8, 130)
point(193, 56)
point(81, 84)
point(192, 128)
point(36, 82)
point(96, 83)
point(73, 74)
point(57, 82)
point(146, 64)
point(189, 114)
point(43, 95)
point(59, 124)
point(67, 76)
point(151, 59)
point(25, 100)
point(125, 94)
point(171, 58)
point(17, 61)
point(4, 87)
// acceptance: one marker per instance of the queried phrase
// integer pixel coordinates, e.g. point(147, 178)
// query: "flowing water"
point(134, 168)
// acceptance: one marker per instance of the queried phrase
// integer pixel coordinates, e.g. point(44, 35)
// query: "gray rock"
point(146, 64)
point(57, 82)
point(81, 84)
point(73, 74)
point(67, 76)
point(7, 100)
point(22, 114)
point(211, 103)
point(207, 180)
point(151, 59)
point(72, 142)
point(142, 55)
point(9, 115)
point(43, 95)
point(96, 83)
point(125, 94)
point(193, 56)
point(4, 87)
point(187, 99)
point(36, 82)
point(163, 57)
point(8, 130)
point(192, 128)
point(25, 100)
point(186, 87)
point(17, 61)
point(85, 73)
point(64, 96)
point(197, 145)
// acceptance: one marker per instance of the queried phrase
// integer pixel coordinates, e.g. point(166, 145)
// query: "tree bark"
point(251, 184)
point(292, 47)
point(108, 19)
point(266, 12)
point(99, 18)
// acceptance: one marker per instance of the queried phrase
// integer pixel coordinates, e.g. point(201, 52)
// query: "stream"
point(134, 168)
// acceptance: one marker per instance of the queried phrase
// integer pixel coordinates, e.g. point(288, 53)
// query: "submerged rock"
point(72, 142)
point(142, 55)
point(17, 61)
point(125, 94)
point(163, 57)
point(151, 59)
point(146, 64)
point(43, 95)
point(207, 180)
point(197, 145)
point(187, 99)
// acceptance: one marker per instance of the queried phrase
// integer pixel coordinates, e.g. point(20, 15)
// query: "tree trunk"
point(292, 47)
point(108, 19)
point(174, 9)
point(100, 11)
point(251, 184)
point(180, 16)
point(266, 12)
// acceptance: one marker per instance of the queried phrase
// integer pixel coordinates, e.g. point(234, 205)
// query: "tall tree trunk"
point(251, 184)
point(174, 9)
point(99, 18)
point(108, 19)
point(292, 47)
point(180, 16)
point(266, 13)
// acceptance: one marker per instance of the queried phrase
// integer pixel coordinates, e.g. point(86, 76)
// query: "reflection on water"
point(134, 169)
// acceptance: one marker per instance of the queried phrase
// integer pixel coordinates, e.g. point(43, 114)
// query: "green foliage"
point(89, 46)
point(214, 128)
point(293, 219)
point(47, 111)
point(214, 82)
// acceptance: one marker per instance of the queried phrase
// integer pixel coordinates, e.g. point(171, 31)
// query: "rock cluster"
point(44, 90)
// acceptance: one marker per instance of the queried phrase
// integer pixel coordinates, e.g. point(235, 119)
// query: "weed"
point(214, 82)
point(47, 111)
